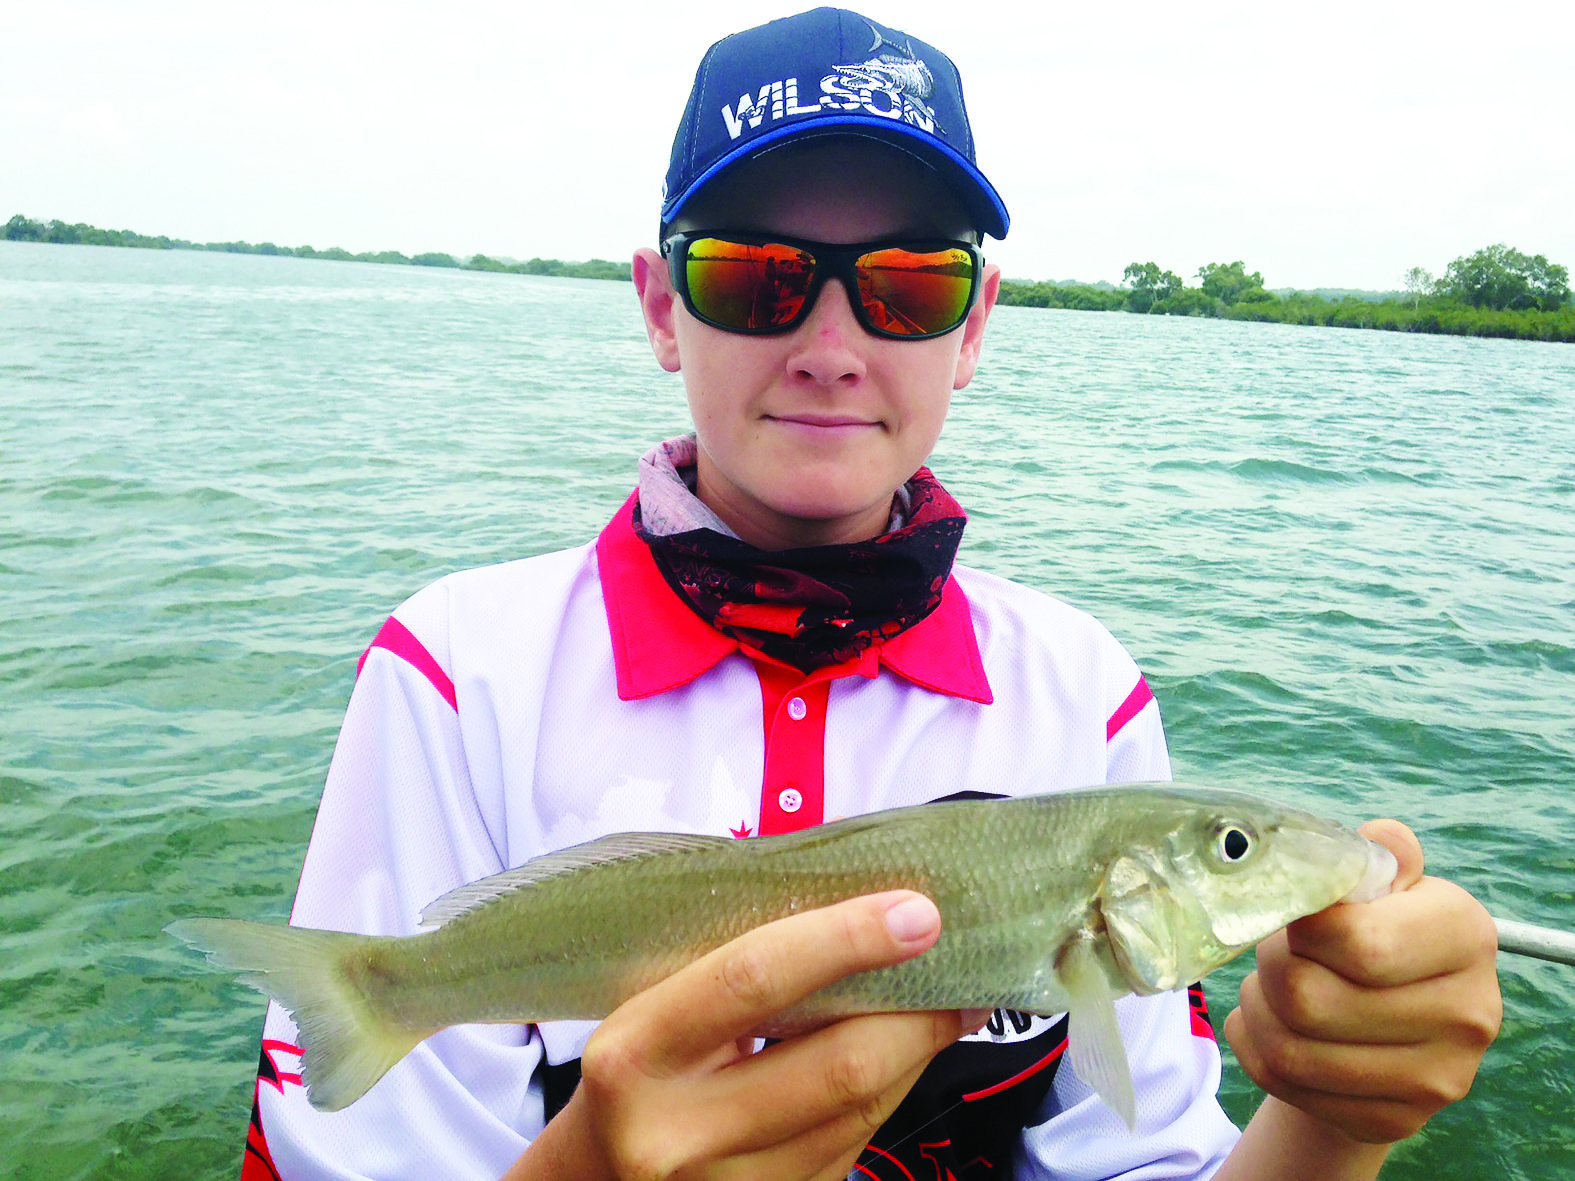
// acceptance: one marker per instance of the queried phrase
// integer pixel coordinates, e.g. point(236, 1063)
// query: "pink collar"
point(659, 643)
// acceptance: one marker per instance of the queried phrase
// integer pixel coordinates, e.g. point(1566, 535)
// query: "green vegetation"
point(1078, 296)
point(1497, 291)
point(24, 229)
point(1229, 283)
point(1503, 279)
point(1150, 285)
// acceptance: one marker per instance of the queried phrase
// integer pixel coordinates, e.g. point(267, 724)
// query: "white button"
point(797, 709)
point(790, 799)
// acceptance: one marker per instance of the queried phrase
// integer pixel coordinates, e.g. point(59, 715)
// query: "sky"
point(1334, 144)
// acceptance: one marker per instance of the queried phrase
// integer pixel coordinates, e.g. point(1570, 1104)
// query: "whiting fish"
point(1051, 903)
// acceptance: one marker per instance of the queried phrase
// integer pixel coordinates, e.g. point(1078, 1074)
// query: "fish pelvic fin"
point(345, 1045)
point(1093, 1034)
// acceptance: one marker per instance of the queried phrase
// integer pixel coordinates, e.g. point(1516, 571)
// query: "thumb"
point(1402, 842)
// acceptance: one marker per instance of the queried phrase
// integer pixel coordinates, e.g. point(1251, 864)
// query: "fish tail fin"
point(346, 1044)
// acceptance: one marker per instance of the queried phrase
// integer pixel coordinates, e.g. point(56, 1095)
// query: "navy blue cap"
point(829, 71)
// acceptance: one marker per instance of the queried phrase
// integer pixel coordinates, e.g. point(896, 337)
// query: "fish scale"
point(1049, 903)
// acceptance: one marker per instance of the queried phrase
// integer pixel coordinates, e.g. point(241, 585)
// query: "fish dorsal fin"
point(1093, 1034)
point(619, 846)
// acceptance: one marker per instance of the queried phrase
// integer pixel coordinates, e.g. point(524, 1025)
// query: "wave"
point(1288, 471)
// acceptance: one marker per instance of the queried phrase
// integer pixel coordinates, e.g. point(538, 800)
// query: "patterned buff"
point(820, 605)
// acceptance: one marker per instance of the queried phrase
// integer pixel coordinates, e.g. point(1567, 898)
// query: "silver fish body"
point(1049, 903)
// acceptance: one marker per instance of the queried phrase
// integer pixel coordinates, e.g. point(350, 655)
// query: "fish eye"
point(1234, 843)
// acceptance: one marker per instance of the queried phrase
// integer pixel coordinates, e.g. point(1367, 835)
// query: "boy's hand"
point(1371, 1017)
point(670, 1088)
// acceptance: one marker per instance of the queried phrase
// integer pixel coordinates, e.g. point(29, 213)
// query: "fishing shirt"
point(521, 708)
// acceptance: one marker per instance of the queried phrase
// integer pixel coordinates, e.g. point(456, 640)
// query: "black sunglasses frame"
point(828, 259)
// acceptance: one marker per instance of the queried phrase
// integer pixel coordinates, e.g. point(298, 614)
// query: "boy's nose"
point(828, 341)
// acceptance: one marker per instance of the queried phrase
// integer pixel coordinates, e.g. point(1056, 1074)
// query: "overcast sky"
point(1325, 144)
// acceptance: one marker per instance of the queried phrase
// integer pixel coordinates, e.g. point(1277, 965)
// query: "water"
point(1343, 558)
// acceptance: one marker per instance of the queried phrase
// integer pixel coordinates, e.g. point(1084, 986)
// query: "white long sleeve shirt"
point(516, 709)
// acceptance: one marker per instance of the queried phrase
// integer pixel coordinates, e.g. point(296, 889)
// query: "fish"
point(895, 65)
point(1050, 903)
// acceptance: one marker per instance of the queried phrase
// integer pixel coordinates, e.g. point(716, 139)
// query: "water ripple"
point(1343, 559)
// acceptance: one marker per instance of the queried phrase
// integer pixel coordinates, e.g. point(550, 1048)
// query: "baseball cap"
point(827, 72)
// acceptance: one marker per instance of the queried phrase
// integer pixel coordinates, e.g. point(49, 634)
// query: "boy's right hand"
point(671, 1089)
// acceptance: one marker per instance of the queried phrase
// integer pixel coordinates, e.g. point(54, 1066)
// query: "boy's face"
point(805, 436)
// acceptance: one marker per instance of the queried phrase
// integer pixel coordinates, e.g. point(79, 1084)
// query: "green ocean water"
point(1346, 561)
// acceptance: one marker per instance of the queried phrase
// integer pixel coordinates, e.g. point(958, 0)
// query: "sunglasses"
point(903, 289)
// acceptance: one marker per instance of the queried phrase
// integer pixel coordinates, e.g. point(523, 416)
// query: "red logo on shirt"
point(258, 1164)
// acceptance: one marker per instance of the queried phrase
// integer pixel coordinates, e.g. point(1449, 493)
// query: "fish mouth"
point(1378, 878)
point(1318, 863)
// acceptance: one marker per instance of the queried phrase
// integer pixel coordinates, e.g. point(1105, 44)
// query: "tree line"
point(1496, 291)
point(24, 229)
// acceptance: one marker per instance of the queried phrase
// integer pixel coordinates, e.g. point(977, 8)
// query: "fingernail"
point(912, 919)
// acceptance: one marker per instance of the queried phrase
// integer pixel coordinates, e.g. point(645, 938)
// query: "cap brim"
point(977, 194)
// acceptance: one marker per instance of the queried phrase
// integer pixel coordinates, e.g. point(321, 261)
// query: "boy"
point(770, 632)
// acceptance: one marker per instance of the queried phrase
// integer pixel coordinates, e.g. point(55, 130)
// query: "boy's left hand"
point(1373, 1016)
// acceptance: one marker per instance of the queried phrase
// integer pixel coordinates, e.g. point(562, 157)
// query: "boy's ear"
point(658, 303)
point(973, 327)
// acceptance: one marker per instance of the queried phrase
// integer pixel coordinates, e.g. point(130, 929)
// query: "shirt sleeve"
point(398, 826)
point(1135, 750)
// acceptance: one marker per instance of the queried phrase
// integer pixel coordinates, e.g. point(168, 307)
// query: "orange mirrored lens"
point(915, 293)
point(746, 286)
point(762, 287)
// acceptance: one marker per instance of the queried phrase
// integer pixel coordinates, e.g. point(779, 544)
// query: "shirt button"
point(790, 799)
point(797, 709)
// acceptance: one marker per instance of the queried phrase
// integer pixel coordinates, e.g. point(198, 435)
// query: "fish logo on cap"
point(899, 69)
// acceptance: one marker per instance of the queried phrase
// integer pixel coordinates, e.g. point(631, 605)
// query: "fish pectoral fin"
point(1093, 1034)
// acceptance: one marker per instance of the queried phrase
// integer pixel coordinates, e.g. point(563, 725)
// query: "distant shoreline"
point(1431, 314)
point(23, 229)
